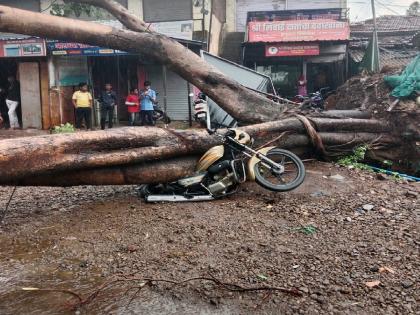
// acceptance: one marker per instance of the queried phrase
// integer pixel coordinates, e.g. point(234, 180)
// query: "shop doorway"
point(8, 67)
point(121, 72)
point(321, 75)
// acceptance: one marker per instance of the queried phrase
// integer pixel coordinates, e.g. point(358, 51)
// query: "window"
point(164, 10)
point(32, 5)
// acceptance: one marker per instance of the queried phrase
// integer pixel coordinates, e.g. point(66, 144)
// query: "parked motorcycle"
point(159, 114)
point(314, 100)
point(223, 168)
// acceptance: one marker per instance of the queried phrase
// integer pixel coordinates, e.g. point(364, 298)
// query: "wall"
point(136, 7)
point(245, 6)
point(319, 4)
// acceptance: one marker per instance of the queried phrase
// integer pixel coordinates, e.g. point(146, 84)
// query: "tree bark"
point(235, 99)
point(126, 146)
point(124, 150)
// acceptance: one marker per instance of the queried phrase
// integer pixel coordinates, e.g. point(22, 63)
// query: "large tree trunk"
point(241, 103)
point(139, 155)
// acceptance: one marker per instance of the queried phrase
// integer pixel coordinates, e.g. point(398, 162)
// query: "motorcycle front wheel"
point(291, 178)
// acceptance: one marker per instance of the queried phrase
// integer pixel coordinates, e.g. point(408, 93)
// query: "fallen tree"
point(147, 154)
point(243, 104)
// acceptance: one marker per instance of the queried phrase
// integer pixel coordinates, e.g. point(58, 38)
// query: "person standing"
point(82, 101)
point(13, 101)
point(132, 103)
point(148, 99)
point(108, 100)
point(302, 86)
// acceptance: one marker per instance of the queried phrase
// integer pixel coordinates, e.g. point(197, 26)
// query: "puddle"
point(23, 268)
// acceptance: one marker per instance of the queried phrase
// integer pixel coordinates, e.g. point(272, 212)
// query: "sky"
point(360, 10)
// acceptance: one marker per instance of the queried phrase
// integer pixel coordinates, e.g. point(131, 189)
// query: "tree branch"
point(129, 20)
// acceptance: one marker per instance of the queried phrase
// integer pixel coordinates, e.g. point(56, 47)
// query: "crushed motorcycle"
point(223, 168)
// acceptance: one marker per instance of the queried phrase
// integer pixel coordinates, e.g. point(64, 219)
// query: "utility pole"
point(375, 44)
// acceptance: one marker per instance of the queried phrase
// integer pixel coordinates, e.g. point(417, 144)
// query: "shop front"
point(72, 63)
point(313, 47)
point(24, 58)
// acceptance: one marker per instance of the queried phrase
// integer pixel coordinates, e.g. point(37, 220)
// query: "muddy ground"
point(318, 239)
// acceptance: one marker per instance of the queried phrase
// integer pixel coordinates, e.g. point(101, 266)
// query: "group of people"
point(12, 97)
point(140, 105)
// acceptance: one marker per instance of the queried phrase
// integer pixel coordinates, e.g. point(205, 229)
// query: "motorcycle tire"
point(143, 191)
point(292, 159)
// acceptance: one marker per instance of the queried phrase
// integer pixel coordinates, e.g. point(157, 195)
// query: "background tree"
point(414, 9)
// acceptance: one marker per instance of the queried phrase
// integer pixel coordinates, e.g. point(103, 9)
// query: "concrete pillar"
point(230, 25)
point(136, 7)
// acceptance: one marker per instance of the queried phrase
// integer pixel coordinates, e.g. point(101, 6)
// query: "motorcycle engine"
point(222, 185)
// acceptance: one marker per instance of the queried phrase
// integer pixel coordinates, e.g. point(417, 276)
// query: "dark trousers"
point(84, 113)
point(146, 117)
point(107, 112)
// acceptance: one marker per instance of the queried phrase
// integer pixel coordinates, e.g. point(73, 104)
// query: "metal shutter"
point(176, 89)
point(245, 6)
point(32, 5)
point(177, 97)
point(165, 11)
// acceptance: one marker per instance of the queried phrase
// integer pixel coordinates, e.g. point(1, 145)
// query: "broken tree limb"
point(235, 99)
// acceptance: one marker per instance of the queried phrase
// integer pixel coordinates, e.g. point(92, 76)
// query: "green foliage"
point(414, 9)
point(76, 9)
point(307, 230)
point(356, 158)
point(67, 128)
point(387, 163)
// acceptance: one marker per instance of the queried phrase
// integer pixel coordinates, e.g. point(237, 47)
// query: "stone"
point(380, 176)
point(411, 194)
point(368, 207)
point(338, 177)
point(406, 284)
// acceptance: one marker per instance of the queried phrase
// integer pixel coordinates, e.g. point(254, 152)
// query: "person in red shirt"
point(132, 103)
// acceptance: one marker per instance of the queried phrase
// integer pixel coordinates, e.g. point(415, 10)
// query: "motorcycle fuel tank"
point(210, 157)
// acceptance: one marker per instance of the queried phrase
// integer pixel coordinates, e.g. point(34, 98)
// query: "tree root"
point(149, 282)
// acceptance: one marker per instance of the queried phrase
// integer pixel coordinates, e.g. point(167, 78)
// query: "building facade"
point(264, 35)
point(52, 71)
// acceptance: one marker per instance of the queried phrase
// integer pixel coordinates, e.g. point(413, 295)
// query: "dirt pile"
point(370, 92)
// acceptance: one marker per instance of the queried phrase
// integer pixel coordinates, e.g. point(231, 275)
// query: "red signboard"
point(30, 47)
point(292, 49)
point(298, 31)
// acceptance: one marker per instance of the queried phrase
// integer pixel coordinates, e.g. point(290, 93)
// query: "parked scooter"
point(223, 168)
point(201, 110)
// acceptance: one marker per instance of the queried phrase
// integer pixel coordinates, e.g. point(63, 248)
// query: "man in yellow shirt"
point(82, 101)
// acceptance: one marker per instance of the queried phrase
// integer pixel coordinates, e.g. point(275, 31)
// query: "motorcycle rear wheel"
point(292, 177)
point(160, 115)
